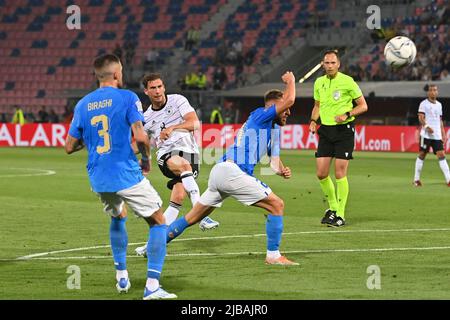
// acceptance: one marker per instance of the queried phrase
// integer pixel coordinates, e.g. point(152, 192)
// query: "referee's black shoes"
point(329, 216)
point(337, 222)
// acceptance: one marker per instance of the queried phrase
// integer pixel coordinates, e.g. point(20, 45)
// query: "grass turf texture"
point(59, 212)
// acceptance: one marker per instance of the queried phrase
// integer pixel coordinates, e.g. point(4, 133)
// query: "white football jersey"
point(433, 115)
point(172, 113)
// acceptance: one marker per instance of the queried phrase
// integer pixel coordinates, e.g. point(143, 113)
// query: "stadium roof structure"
point(388, 89)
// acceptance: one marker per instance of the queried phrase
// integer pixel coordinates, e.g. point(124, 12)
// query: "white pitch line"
point(36, 255)
point(43, 172)
point(206, 254)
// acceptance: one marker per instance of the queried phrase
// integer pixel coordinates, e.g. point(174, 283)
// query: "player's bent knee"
point(278, 206)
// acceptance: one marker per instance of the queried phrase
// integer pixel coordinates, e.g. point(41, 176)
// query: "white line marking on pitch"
point(43, 172)
point(37, 255)
point(206, 254)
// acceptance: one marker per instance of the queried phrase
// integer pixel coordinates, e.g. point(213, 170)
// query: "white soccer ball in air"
point(400, 51)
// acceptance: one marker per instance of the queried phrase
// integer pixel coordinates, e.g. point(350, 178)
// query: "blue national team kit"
point(257, 137)
point(103, 119)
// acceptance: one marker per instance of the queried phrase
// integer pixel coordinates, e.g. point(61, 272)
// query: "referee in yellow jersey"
point(334, 94)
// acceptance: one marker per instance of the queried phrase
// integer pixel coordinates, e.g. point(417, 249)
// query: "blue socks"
point(119, 242)
point(176, 228)
point(156, 250)
point(274, 229)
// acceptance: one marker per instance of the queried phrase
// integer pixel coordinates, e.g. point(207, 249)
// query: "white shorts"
point(142, 198)
point(227, 179)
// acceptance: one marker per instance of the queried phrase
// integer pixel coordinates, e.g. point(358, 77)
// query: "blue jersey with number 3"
point(255, 139)
point(103, 119)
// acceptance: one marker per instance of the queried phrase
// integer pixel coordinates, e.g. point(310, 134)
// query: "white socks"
point(442, 163)
point(152, 284)
point(419, 166)
point(444, 167)
point(273, 254)
point(171, 213)
point(191, 187)
point(121, 274)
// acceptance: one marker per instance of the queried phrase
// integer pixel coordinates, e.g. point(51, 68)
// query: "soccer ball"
point(400, 51)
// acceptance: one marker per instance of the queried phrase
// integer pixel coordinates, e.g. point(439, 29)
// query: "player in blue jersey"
point(103, 120)
point(233, 176)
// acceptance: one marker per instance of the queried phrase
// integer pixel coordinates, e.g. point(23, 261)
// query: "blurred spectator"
point(219, 78)
point(43, 115)
point(53, 117)
point(250, 56)
point(202, 81)
point(29, 117)
point(444, 76)
point(192, 37)
point(3, 118)
point(191, 80)
point(18, 116)
point(216, 116)
point(221, 53)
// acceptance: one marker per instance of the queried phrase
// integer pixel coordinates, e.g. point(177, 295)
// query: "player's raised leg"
point(196, 214)
point(182, 167)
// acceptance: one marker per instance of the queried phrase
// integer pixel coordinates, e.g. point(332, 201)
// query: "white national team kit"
point(433, 114)
point(172, 113)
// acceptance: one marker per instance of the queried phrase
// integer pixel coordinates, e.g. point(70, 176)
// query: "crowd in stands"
point(429, 30)
point(22, 116)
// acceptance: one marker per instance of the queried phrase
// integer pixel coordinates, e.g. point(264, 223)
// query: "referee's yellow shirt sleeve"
point(355, 92)
point(316, 90)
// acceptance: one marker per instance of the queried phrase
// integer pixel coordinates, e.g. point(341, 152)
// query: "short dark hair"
point(429, 85)
point(151, 77)
point(273, 94)
point(332, 51)
point(104, 60)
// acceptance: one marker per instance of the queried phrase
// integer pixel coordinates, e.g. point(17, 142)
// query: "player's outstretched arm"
point(288, 94)
point(73, 144)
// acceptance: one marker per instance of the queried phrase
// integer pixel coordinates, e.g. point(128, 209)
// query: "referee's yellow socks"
point(329, 192)
point(342, 195)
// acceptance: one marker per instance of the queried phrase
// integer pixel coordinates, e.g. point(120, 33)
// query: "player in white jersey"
point(170, 120)
point(432, 134)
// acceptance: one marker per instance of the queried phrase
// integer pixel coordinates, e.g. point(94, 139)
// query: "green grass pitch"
point(390, 224)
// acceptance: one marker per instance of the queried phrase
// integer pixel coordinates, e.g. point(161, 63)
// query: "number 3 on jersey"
point(102, 133)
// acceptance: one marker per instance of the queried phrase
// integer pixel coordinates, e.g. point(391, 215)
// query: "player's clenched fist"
point(287, 77)
point(286, 173)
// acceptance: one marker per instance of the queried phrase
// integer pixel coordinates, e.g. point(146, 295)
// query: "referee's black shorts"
point(336, 141)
